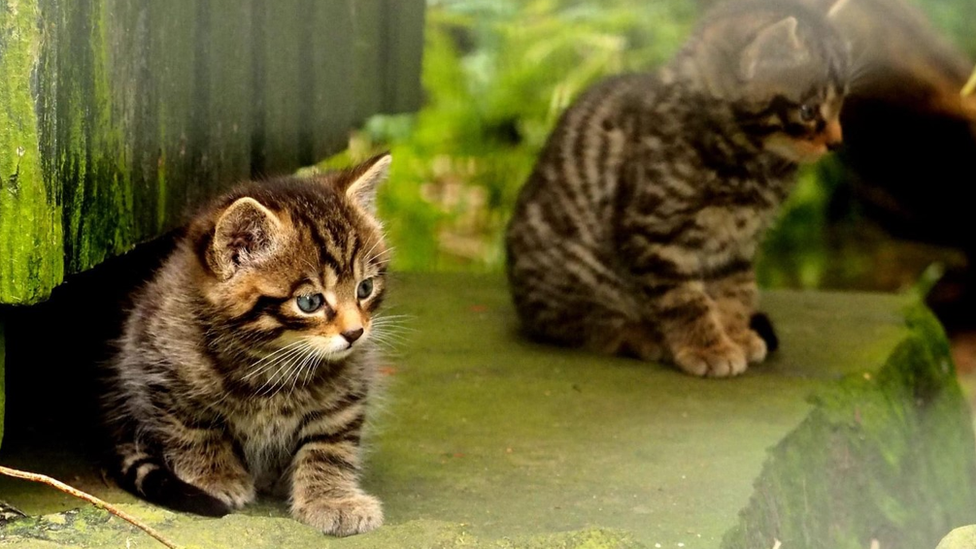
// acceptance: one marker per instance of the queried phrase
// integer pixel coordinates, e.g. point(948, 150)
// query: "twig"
point(90, 499)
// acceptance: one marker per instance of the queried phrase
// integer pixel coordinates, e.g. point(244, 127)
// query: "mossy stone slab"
point(856, 430)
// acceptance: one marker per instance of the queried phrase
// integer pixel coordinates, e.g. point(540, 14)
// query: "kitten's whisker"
point(293, 368)
point(275, 359)
point(285, 363)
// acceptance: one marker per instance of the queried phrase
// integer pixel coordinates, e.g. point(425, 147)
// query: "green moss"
point(92, 528)
point(30, 229)
point(891, 449)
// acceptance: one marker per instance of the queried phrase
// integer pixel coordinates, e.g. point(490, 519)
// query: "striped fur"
point(636, 232)
point(224, 387)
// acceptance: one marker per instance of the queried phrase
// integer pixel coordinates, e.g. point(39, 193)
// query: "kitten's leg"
point(206, 459)
point(737, 296)
point(632, 339)
point(690, 324)
point(325, 474)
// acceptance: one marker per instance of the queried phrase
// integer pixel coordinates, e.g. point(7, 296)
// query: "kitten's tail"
point(762, 325)
point(148, 477)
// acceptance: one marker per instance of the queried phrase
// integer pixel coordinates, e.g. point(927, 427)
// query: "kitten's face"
point(785, 78)
point(296, 268)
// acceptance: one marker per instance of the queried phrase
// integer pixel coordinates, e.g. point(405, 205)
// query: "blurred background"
point(891, 212)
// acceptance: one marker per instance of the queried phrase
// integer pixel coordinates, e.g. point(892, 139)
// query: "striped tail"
point(148, 477)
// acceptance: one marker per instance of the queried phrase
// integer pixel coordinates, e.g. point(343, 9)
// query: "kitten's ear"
point(775, 46)
point(363, 180)
point(245, 232)
point(836, 8)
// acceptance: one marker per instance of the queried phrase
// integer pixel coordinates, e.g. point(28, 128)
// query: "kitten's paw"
point(752, 345)
point(236, 492)
point(355, 514)
point(726, 359)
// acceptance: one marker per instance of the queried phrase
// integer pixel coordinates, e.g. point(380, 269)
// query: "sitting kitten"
point(636, 231)
point(247, 362)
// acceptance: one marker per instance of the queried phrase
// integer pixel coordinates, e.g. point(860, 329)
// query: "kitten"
point(636, 231)
point(247, 362)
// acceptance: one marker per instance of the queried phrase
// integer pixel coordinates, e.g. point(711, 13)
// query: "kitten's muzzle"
point(833, 135)
point(352, 335)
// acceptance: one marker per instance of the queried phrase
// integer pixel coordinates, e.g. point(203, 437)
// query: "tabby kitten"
point(636, 231)
point(247, 362)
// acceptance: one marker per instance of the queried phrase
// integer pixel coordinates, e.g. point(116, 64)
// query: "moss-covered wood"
point(30, 213)
point(119, 116)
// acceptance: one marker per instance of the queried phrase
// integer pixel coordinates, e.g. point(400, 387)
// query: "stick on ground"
point(43, 479)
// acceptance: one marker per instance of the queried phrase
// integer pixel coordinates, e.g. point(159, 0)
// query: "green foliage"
point(498, 73)
point(955, 18)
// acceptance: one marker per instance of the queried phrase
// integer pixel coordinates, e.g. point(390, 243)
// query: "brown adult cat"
point(248, 361)
point(636, 231)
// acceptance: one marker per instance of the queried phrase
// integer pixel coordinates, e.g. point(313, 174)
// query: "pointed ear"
point(775, 46)
point(245, 232)
point(836, 8)
point(362, 181)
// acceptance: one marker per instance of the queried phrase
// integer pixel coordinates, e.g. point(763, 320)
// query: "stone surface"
point(855, 431)
point(117, 117)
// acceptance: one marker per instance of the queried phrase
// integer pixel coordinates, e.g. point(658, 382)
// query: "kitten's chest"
point(266, 435)
point(735, 229)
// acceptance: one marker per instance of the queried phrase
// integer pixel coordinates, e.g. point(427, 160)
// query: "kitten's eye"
point(808, 113)
point(365, 289)
point(309, 303)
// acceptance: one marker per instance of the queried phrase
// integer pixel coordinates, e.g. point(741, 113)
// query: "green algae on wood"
point(119, 118)
point(892, 449)
point(30, 226)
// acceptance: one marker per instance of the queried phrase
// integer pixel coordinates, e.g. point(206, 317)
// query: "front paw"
point(724, 359)
point(347, 516)
point(235, 491)
point(752, 345)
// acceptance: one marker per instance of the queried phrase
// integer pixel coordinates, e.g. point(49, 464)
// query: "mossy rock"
point(855, 431)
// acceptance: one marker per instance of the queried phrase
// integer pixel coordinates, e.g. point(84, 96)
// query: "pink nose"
point(352, 335)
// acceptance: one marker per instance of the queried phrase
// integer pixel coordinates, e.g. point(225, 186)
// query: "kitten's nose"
point(835, 135)
point(352, 335)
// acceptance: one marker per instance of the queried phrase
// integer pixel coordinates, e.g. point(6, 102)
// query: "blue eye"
point(309, 303)
point(365, 289)
point(808, 112)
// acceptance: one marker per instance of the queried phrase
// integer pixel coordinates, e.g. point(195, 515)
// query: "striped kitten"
point(636, 231)
point(247, 362)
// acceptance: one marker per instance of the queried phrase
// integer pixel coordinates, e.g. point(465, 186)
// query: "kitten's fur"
point(636, 231)
point(224, 387)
